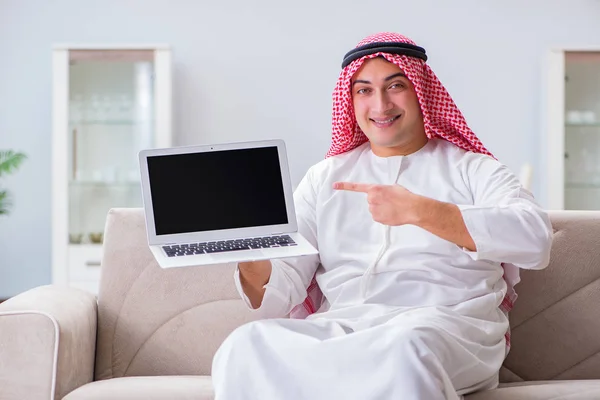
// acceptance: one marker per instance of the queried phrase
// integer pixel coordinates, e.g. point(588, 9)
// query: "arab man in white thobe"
point(421, 233)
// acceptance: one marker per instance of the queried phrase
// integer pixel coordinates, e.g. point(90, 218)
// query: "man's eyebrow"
point(399, 74)
point(361, 81)
point(389, 78)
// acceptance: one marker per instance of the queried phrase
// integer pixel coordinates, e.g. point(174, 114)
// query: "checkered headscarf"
point(441, 116)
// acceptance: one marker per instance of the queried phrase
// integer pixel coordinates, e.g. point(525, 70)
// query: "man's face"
point(387, 108)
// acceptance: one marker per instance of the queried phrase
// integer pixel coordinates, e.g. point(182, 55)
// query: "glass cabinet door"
point(107, 104)
point(110, 119)
point(582, 131)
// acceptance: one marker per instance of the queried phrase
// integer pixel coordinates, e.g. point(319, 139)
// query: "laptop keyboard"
point(190, 249)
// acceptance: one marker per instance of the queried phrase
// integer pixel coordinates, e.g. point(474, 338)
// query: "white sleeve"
point(505, 222)
point(291, 276)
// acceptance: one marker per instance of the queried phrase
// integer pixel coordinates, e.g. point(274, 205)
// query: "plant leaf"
point(5, 202)
point(10, 161)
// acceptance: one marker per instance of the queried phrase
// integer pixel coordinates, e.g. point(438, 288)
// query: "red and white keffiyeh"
point(441, 117)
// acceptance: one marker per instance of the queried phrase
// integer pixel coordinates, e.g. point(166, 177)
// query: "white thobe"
point(406, 314)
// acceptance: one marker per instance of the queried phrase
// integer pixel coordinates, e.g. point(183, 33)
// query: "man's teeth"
point(384, 121)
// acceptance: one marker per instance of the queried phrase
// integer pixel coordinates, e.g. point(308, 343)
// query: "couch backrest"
point(556, 319)
point(154, 321)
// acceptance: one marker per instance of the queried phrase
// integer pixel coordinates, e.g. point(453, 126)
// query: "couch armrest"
point(47, 342)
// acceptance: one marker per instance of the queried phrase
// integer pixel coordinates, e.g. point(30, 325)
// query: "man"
point(420, 235)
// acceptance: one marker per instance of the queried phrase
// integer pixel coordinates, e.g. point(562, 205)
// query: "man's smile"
point(384, 123)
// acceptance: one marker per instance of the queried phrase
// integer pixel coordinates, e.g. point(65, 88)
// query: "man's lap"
point(468, 350)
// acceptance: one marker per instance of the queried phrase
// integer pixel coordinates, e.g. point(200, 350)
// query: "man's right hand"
point(253, 276)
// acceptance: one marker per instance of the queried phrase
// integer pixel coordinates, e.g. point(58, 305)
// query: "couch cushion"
point(543, 390)
point(154, 321)
point(146, 388)
point(554, 329)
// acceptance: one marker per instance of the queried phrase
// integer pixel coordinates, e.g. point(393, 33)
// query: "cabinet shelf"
point(104, 184)
point(595, 186)
point(86, 246)
point(109, 122)
point(583, 125)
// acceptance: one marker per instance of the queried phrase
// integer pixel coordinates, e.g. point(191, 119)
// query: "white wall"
point(265, 69)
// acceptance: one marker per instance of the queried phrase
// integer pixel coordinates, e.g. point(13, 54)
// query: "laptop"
point(220, 203)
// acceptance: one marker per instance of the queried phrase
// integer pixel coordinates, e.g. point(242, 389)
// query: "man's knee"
point(239, 340)
point(246, 336)
point(243, 334)
point(419, 344)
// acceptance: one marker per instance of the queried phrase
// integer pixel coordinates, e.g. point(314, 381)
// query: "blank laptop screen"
point(214, 190)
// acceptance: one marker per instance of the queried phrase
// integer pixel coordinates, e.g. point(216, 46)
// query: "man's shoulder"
point(334, 163)
point(458, 155)
point(470, 164)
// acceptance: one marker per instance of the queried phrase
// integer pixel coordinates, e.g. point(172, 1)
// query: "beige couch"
point(152, 333)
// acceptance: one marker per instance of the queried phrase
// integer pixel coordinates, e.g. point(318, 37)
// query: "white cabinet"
point(109, 102)
point(573, 126)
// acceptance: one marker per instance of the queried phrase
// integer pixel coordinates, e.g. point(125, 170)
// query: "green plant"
point(9, 162)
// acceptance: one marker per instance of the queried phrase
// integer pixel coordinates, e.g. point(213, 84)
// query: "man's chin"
point(384, 143)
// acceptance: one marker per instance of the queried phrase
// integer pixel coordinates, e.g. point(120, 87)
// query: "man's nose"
point(382, 103)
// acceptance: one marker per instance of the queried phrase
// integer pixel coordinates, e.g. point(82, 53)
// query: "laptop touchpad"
point(249, 255)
